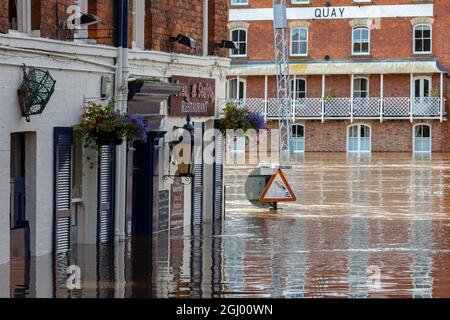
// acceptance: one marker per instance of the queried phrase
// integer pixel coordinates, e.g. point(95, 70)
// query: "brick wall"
point(4, 9)
point(218, 19)
point(389, 136)
point(105, 9)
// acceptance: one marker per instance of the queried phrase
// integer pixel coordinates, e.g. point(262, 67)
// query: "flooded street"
point(385, 215)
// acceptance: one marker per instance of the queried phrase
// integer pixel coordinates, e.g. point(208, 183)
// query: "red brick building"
point(366, 75)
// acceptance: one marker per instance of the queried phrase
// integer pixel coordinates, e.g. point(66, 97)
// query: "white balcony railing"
point(347, 108)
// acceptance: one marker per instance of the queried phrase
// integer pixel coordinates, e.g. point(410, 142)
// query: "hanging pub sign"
point(197, 97)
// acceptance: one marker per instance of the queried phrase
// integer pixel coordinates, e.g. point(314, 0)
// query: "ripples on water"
point(389, 212)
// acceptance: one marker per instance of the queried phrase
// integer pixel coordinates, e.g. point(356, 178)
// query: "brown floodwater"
point(355, 217)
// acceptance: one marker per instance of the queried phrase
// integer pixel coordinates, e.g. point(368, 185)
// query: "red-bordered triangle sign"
point(278, 190)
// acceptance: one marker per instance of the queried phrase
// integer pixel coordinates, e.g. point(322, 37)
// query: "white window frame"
point(23, 18)
point(138, 24)
point(300, 1)
point(353, 86)
point(238, 42)
point(413, 83)
point(353, 41)
point(359, 138)
point(244, 93)
point(234, 3)
point(431, 39)
point(294, 88)
point(414, 137)
point(307, 42)
point(304, 137)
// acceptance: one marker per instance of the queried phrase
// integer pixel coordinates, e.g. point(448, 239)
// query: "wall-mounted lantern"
point(35, 91)
point(185, 170)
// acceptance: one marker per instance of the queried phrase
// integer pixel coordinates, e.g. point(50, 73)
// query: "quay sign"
point(197, 97)
point(346, 12)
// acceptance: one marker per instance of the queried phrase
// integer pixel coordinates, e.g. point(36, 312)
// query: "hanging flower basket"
point(102, 126)
point(234, 118)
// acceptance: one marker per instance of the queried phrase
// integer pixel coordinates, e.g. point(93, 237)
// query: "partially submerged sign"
point(278, 190)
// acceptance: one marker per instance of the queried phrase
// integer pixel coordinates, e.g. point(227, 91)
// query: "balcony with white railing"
point(388, 108)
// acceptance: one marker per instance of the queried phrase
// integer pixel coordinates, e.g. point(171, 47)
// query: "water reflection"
point(389, 211)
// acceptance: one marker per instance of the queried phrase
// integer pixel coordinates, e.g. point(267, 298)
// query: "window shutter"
point(197, 185)
point(63, 140)
point(106, 195)
point(218, 176)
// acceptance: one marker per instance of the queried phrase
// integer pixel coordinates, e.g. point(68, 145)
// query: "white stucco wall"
point(76, 77)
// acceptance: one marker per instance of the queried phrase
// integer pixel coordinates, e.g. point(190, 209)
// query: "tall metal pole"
point(282, 69)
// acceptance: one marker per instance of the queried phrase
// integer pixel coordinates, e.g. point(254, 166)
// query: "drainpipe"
point(205, 27)
point(121, 90)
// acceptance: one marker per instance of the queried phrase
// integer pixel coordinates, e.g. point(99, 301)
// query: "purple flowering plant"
point(234, 117)
point(138, 128)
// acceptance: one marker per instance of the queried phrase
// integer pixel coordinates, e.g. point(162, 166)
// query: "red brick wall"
point(105, 9)
point(389, 136)
point(53, 15)
point(4, 9)
point(218, 19)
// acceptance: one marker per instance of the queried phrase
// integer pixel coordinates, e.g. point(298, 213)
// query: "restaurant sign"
point(197, 97)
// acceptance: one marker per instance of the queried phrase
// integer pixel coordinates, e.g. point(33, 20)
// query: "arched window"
point(360, 87)
point(422, 38)
point(239, 36)
point(233, 89)
point(298, 88)
point(361, 40)
point(359, 139)
point(297, 138)
point(299, 41)
point(422, 138)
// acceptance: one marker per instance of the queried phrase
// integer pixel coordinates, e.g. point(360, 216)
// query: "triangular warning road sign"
point(278, 190)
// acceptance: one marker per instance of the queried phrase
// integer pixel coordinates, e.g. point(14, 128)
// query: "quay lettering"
point(329, 13)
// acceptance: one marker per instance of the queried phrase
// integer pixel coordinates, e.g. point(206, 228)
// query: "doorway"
point(359, 139)
point(19, 225)
point(422, 138)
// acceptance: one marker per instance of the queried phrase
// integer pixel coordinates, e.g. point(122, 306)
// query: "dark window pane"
point(357, 47)
point(302, 48)
point(426, 33)
point(235, 35)
point(426, 45)
point(418, 34)
point(301, 85)
point(295, 35)
point(417, 89)
point(426, 132)
point(242, 35)
point(365, 47)
point(419, 47)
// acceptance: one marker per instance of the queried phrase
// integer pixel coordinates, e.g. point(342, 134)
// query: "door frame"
point(414, 137)
point(304, 135)
point(413, 84)
point(359, 125)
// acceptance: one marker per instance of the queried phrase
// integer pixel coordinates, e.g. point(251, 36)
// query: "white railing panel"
point(426, 107)
point(397, 107)
point(308, 108)
point(338, 108)
point(366, 107)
